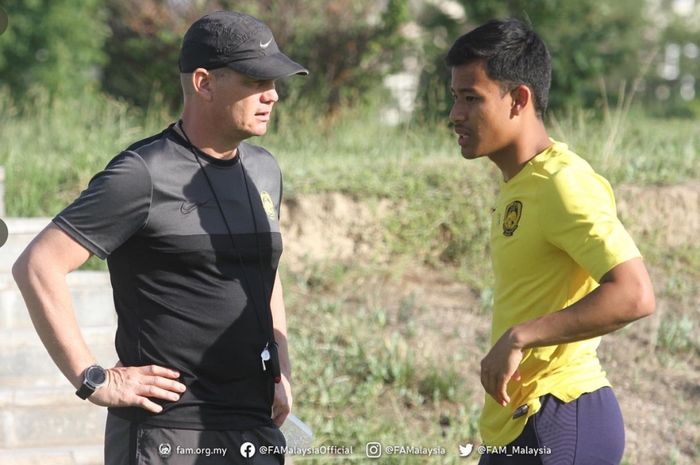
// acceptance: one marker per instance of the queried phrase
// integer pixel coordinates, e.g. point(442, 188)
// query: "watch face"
point(96, 376)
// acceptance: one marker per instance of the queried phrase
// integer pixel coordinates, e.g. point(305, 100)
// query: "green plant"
point(50, 47)
point(348, 46)
point(678, 335)
point(587, 39)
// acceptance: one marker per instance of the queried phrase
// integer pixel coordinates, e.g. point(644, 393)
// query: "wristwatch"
point(94, 378)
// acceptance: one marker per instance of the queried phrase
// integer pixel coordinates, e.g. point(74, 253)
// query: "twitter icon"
point(465, 451)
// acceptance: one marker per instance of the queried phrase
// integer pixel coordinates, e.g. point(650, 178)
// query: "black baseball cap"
point(237, 41)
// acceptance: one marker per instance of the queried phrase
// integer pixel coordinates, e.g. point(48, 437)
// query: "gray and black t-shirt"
point(185, 298)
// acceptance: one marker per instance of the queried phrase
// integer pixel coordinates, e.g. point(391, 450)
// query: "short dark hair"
point(514, 55)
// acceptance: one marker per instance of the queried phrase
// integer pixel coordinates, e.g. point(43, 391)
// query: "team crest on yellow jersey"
point(514, 211)
point(268, 205)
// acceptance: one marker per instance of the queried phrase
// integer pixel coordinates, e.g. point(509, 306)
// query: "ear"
point(202, 84)
point(522, 98)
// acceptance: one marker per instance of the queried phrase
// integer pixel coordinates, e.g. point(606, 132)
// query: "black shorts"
point(128, 443)
point(586, 431)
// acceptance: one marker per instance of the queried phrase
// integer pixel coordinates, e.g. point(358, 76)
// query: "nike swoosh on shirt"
point(188, 207)
point(266, 44)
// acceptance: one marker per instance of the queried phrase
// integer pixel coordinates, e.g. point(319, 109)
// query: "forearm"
point(279, 318)
point(611, 306)
point(49, 303)
point(583, 320)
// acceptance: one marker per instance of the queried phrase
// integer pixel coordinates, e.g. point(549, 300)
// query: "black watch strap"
point(85, 391)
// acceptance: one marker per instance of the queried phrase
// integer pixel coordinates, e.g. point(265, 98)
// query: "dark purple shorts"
point(587, 431)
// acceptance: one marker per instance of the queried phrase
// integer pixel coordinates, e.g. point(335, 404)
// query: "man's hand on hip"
point(135, 386)
point(282, 405)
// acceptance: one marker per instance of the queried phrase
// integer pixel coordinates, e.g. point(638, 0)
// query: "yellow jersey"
point(554, 234)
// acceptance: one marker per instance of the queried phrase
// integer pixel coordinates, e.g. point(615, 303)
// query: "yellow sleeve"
point(580, 218)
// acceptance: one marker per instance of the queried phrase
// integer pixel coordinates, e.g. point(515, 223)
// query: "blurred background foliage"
point(58, 45)
point(602, 51)
point(588, 40)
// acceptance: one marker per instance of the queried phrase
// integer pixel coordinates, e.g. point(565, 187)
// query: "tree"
point(589, 41)
point(143, 48)
point(48, 45)
point(348, 45)
point(671, 87)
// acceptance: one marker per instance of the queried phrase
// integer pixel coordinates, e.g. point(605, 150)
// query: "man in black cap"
point(188, 221)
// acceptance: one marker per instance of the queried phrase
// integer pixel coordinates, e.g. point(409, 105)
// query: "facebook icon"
point(247, 449)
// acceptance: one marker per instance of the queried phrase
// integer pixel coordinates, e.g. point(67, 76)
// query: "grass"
point(360, 377)
point(678, 283)
point(53, 148)
point(645, 151)
point(678, 335)
point(442, 202)
point(356, 154)
point(360, 374)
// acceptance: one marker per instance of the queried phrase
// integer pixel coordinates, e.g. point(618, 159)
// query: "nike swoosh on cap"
point(266, 44)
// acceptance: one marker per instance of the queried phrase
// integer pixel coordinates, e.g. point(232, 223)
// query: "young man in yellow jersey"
point(566, 269)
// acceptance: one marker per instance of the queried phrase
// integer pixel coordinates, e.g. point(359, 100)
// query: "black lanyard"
point(270, 345)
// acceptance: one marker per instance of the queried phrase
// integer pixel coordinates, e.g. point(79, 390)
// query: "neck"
point(206, 138)
point(514, 157)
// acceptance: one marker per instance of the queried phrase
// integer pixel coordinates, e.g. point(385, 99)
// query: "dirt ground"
point(659, 392)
